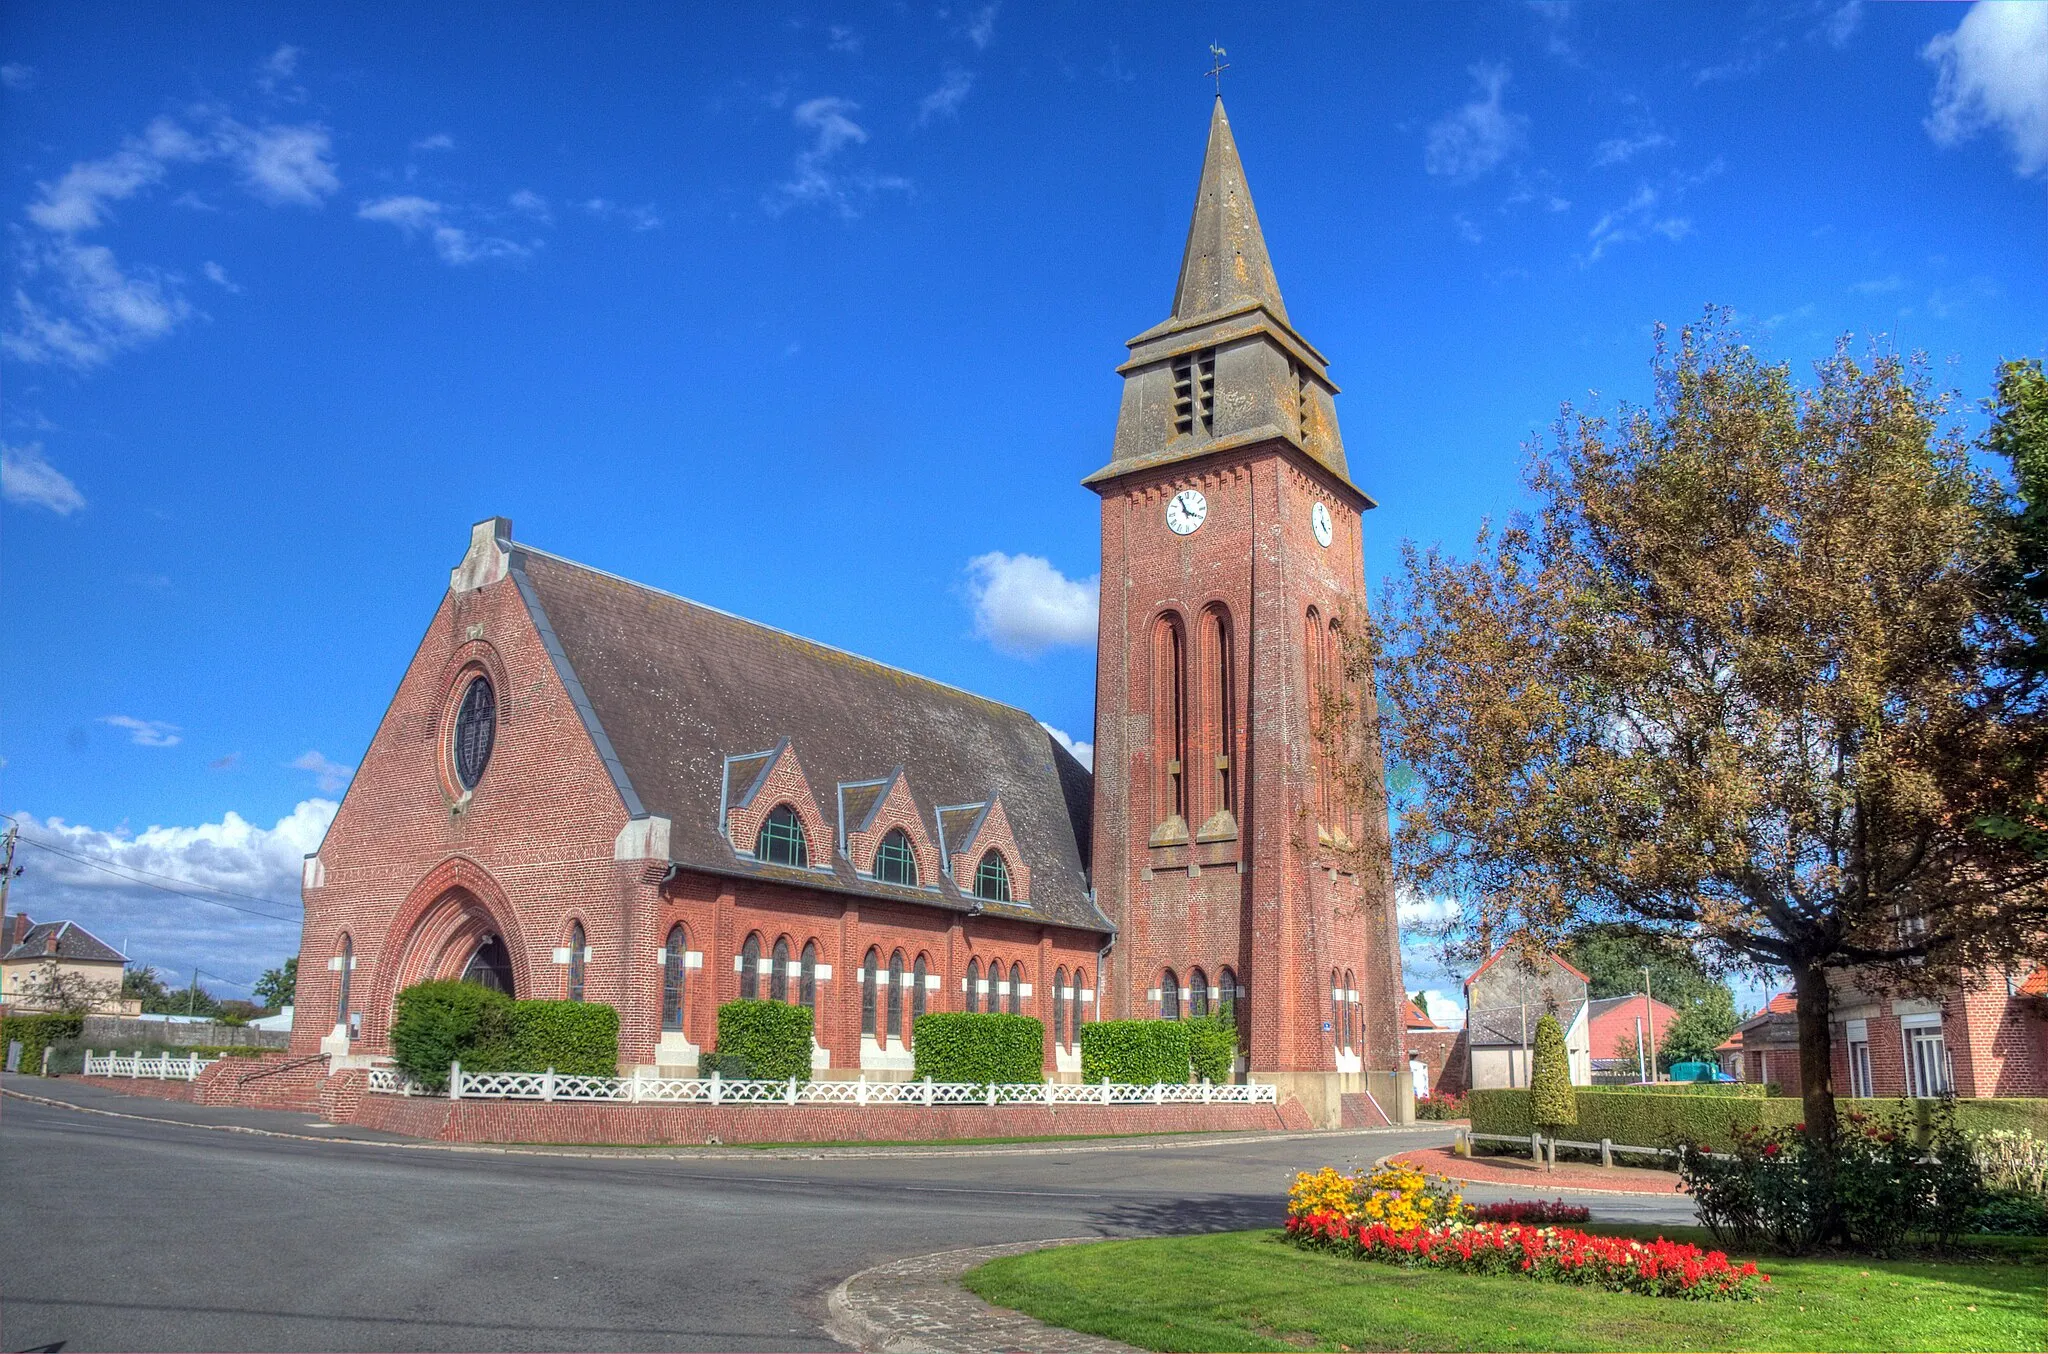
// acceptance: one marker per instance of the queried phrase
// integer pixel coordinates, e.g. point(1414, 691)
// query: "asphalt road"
point(119, 1234)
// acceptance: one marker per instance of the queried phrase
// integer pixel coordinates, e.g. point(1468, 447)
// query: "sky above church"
point(812, 313)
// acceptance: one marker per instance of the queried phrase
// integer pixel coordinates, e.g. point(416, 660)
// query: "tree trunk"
point(1816, 1050)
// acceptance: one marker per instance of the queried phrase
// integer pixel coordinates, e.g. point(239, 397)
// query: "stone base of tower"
point(1346, 1099)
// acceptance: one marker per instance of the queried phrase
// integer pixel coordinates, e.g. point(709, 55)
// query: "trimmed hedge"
point(1212, 1048)
point(436, 1023)
point(37, 1032)
point(1135, 1052)
point(1642, 1118)
point(762, 1040)
point(980, 1048)
point(1747, 1090)
point(576, 1038)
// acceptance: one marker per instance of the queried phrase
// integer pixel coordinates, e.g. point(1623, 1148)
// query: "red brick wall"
point(157, 1090)
point(1269, 905)
point(1997, 1044)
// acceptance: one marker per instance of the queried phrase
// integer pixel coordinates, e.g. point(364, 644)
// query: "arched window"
point(1354, 1016)
point(1074, 1006)
point(1336, 1009)
point(1226, 983)
point(490, 966)
point(778, 971)
point(782, 839)
point(1059, 1008)
point(750, 967)
point(1016, 989)
point(673, 955)
point(867, 993)
point(1198, 994)
point(1219, 710)
point(895, 862)
point(992, 878)
point(1340, 716)
point(973, 984)
point(1170, 716)
point(1316, 652)
point(807, 978)
point(476, 727)
point(578, 948)
point(1169, 996)
point(918, 974)
point(896, 996)
point(348, 970)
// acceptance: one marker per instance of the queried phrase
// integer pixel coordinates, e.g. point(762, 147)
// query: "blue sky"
point(812, 313)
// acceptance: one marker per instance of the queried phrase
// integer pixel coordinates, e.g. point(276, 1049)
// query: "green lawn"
point(1252, 1290)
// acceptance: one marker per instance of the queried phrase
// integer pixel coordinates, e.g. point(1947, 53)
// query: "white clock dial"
point(1185, 511)
point(1319, 519)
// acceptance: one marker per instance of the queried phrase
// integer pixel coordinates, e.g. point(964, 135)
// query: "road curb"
point(917, 1305)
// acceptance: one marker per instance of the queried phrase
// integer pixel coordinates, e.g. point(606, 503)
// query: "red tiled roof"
point(1418, 1019)
point(1782, 1004)
point(2036, 984)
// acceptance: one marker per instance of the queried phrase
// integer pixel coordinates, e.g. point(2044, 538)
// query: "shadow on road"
point(1217, 1213)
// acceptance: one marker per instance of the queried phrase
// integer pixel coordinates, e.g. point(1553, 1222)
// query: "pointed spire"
point(1225, 266)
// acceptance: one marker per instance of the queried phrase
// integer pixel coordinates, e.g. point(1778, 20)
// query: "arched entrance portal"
point(491, 966)
point(460, 936)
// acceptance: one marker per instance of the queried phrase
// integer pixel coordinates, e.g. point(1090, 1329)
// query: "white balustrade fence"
point(163, 1067)
point(716, 1090)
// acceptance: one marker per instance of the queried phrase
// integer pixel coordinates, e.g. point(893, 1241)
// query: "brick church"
point(588, 788)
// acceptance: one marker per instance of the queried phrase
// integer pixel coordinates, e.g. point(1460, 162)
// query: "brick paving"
point(918, 1306)
point(1518, 1172)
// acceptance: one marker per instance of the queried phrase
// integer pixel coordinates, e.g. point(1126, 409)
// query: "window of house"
point(672, 973)
point(973, 984)
point(867, 992)
point(578, 947)
point(1336, 1009)
point(1226, 984)
point(807, 979)
point(896, 996)
point(348, 969)
point(895, 862)
point(1198, 994)
point(1353, 1022)
point(750, 967)
point(781, 840)
point(918, 973)
point(1059, 1008)
point(1859, 1068)
point(1016, 989)
point(1169, 996)
point(476, 727)
point(992, 878)
point(1927, 1070)
point(778, 970)
point(1074, 1007)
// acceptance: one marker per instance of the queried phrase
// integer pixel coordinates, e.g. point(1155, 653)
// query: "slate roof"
point(670, 688)
point(74, 943)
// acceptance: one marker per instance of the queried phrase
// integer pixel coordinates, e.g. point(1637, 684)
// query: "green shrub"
point(37, 1032)
point(577, 1038)
point(436, 1023)
point(1212, 1048)
point(1747, 1090)
point(983, 1049)
point(1638, 1118)
point(1135, 1052)
point(67, 1056)
point(1551, 1103)
point(763, 1040)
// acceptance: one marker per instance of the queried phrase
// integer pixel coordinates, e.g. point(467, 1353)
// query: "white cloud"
point(78, 201)
point(635, 218)
point(218, 276)
point(1994, 74)
point(409, 212)
point(1467, 231)
point(274, 74)
point(843, 39)
point(813, 182)
point(1472, 140)
point(1650, 210)
point(1621, 149)
point(1416, 910)
point(330, 776)
point(15, 76)
point(1445, 1009)
point(1842, 23)
point(415, 215)
point(438, 141)
point(1024, 606)
point(283, 165)
point(26, 477)
point(1084, 753)
point(258, 868)
point(981, 29)
point(531, 204)
point(95, 308)
point(945, 101)
point(146, 733)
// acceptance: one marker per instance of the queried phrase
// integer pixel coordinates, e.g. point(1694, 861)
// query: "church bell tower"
point(1237, 869)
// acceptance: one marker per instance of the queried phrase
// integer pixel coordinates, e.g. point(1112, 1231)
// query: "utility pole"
point(192, 997)
point(8, 869)
point(1649, 1019)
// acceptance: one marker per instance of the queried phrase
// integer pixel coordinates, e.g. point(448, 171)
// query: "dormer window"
point(781, 841)
point(1194, 392)
point(992, 879)
point(895, 862)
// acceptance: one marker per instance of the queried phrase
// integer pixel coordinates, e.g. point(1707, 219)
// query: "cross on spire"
point(1217, 66)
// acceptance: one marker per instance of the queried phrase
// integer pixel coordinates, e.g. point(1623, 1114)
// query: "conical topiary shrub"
point(1552, 1102)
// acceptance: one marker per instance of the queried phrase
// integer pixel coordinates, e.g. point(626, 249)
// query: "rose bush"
point(1531, 1210)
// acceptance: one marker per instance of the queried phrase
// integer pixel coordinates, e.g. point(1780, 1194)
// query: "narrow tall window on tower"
point(1304, 402)
point(1170, 716)
point(1219, 710)
point(1316, 655)
point(1194, 392)
point(1340, 813)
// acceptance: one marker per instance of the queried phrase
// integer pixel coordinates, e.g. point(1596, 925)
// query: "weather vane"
point(1218, 68)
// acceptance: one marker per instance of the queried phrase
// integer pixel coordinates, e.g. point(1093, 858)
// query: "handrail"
point(261, 1071)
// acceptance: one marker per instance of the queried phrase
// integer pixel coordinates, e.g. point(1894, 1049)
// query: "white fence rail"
point(1537, 1143)
point(716, 1090)
point(161, 1068)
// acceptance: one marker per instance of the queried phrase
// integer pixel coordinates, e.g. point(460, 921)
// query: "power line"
point(117, 871)
point(137, 869)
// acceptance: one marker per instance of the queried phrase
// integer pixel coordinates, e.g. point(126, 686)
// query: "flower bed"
point(1540, 1211)
point(1660, 1268)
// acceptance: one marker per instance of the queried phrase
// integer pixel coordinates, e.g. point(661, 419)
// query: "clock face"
point(1185, 511)
point(1319, 518)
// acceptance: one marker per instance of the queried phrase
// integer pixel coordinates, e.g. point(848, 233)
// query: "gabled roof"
point(669, 689)
point(1418, 1019)
point(1600, 1006)
point(74, 944)
point(1561, 961)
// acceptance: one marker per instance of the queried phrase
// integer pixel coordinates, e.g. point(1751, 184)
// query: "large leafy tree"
point(275, 988)
point(1727, 683)
point(1613, 956)
point(2019, 433)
